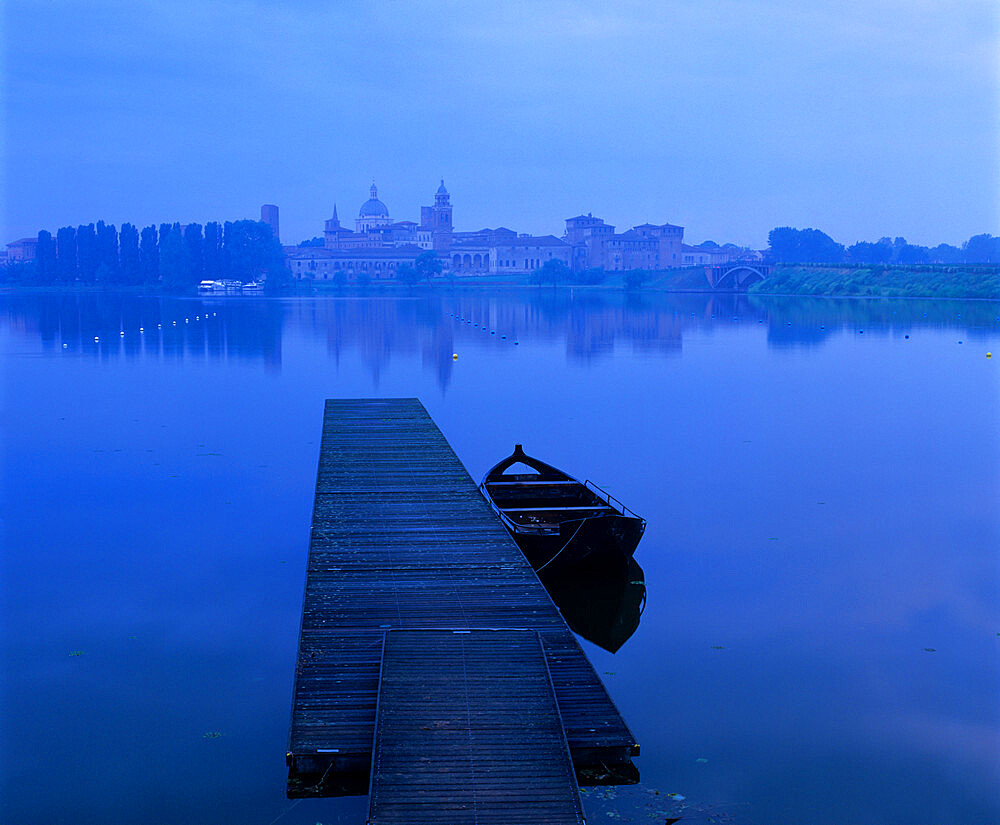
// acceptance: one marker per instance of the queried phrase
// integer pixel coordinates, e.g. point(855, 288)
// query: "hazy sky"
point(859, 117)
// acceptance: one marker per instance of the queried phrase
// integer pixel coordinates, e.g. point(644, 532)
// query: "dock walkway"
point(467, 731)
point(402, 540)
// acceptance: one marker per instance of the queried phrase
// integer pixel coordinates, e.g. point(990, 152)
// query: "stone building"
point(437, 219)
point(322, 264)
point(647, 246)
point(715, 255)
point(378, 245)
point(374, 229)
point(22, 250)
point(269, 215)
point(526, 253)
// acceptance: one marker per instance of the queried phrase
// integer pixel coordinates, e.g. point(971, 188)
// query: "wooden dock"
point(402, 540)
point(467, 730)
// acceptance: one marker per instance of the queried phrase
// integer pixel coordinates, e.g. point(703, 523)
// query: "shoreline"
point(478, 284)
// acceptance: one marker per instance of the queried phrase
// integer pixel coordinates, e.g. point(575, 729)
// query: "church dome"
point(441, 190)
point(373, 207)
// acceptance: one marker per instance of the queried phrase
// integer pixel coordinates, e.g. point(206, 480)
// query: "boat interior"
point(530, 492)
point(547, 495)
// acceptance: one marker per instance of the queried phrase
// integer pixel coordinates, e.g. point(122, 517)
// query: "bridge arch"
point(739, 276)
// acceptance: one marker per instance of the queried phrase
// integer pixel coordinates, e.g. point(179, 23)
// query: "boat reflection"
point(601, 603)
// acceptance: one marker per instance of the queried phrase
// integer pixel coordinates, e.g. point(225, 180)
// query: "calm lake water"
point(821, 479)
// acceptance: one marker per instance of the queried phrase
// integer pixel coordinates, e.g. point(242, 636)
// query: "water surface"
point(819, 641)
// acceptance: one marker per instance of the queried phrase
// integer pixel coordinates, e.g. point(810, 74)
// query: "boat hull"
point(600, 539)
point(603, 603)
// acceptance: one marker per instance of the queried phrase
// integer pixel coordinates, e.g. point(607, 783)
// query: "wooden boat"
point(556, 519)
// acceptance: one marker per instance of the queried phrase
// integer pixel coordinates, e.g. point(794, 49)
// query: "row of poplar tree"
point(175, 256)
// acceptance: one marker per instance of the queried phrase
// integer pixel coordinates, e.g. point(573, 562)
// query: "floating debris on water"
point(76, 653)
point(212, 734)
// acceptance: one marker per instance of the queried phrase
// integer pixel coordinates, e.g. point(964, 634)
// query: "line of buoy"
point(142, 330)
point(469, 321)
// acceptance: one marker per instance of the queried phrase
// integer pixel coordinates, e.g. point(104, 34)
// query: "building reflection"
point(432, 324)
point(111, 326)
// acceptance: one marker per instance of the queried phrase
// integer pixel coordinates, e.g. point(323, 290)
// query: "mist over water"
point(819, 641)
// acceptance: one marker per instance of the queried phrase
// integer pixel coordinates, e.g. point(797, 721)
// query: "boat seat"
point(533, 483)
point(553, 509)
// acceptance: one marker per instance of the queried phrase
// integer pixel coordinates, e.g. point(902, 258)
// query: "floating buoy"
point(122, 334)
point(141, 329)
point(503, 336)
point(960, 342)
point(515, 343)
point(96, 339)
point(861, 332)
point(988, 355)
point(65, 345)
point(454, 356)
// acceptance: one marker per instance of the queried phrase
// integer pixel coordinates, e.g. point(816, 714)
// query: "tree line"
point(174, 256)
point(803, 246)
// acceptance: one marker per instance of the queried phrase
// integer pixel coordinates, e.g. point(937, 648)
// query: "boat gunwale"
point(550, 476)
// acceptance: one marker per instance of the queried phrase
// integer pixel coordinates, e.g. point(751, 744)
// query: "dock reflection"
point(601, 603)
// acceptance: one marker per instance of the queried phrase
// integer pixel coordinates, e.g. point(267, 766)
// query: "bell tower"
point(441, 219)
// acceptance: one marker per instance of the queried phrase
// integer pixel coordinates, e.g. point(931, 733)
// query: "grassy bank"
point(966, 281)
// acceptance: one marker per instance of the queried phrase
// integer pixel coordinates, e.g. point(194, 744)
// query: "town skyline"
point(380, 244)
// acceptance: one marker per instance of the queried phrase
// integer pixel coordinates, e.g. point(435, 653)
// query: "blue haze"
point(820, 480)
point(729, 118)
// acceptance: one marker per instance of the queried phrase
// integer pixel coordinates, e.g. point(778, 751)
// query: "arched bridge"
point(737, 274)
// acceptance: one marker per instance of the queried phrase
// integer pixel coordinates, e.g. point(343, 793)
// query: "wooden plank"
point(468, 731)
point(403, 539)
